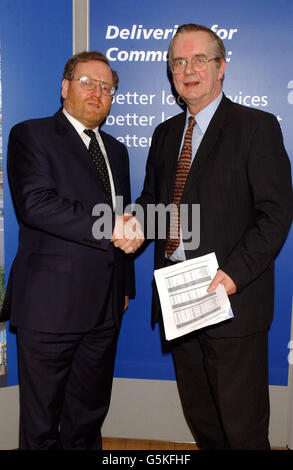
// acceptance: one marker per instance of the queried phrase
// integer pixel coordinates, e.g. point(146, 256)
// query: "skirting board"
point(144, 409)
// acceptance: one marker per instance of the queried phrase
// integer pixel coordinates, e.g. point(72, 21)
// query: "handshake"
point(127, 234)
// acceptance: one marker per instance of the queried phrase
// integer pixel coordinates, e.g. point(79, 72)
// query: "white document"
point(186, 304)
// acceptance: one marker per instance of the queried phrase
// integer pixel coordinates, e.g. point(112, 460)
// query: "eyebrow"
point(195, 55)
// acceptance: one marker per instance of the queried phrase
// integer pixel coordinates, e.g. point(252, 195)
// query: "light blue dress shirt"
point(203, 119)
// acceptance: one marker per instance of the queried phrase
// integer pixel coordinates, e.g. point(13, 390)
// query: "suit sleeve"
point(35, 192)
point(269, 176)
point(149, 193)
point(129, 261)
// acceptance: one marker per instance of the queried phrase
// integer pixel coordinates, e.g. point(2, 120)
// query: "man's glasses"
point(89, 84)
point(198, 64)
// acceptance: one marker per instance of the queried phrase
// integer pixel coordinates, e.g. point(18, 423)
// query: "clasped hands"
point(127, 234)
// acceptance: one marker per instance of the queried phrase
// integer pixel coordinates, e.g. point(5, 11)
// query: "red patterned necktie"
point(184, 162)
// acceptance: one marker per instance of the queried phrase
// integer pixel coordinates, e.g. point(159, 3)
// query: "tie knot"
point(90, 133)
point(191, 122)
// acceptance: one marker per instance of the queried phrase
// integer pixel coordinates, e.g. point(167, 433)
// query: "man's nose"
point(97, 91)
point(189, 68)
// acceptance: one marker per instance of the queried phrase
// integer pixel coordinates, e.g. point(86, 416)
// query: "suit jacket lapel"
point(72, 140)
point(112, 162)
point(174, 139)
point(74, 144)
point(209, 141)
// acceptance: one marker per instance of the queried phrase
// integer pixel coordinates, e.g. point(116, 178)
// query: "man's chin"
point(95, 119)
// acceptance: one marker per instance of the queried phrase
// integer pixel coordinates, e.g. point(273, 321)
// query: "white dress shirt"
point(79, 127)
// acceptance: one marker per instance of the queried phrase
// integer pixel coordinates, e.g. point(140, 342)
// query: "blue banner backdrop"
point(36, 40)
point(135, 35)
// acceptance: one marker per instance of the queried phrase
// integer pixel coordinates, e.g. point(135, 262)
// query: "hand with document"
point(187, 303)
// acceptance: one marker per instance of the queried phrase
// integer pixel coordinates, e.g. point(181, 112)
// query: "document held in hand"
point(186, 304)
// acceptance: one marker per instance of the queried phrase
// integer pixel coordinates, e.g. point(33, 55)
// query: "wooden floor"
point(138, 444)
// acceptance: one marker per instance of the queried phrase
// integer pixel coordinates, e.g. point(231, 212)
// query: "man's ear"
point(222, 69)
point(64, 88)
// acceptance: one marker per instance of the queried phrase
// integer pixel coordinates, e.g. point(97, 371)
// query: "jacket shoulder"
point(172, 123)
point(247, 113)
point(32, 125)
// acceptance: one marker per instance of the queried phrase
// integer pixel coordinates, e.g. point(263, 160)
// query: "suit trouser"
point(223, 385)
point(65, 386)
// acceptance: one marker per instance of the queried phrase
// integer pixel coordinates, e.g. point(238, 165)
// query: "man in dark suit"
point(240, 175)
point(68, 289)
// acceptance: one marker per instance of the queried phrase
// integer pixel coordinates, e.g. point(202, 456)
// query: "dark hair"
point(217, 43)
point(85, 56)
